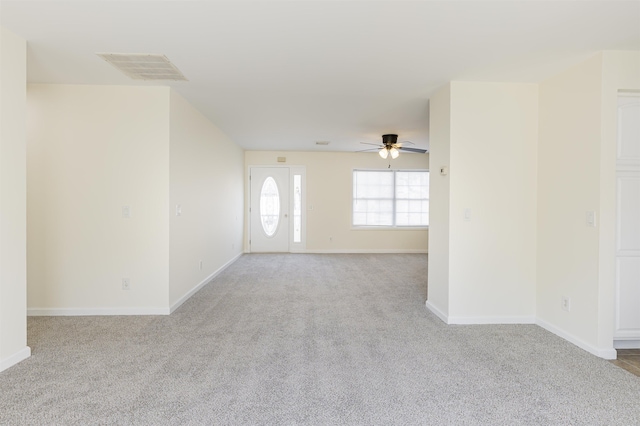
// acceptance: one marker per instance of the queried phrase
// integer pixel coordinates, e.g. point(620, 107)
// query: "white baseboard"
point(606, 353)
point(437, 312)
point(517, 319)
point(71, 312)
point(202, 283)
point(363, 251)
point(626, 344)
point(64, 312)
point(21, 355)
point(524, 319)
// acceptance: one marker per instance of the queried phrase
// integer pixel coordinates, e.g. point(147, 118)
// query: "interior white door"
point(628, 222)
point(269, 210)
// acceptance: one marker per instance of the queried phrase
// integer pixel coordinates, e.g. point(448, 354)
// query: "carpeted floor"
point(309, 339)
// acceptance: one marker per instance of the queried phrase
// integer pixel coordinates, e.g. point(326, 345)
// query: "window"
point(390, 198)
point(297, 208)
point(269, 206)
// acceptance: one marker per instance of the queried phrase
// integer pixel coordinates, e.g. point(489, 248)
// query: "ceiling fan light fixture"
point(384, 153)
point(394, 153)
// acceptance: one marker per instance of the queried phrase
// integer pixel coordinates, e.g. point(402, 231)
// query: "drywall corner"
point(13, 207)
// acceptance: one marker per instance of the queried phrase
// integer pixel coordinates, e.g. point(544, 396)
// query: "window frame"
point(394, 200)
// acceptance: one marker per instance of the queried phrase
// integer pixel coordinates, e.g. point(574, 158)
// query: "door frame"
point(294, 247)
point(625, 168)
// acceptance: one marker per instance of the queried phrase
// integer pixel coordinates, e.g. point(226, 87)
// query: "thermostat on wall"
point(444, 170)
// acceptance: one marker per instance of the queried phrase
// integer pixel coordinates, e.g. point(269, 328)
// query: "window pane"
point(402, 219)
point(269, 206)
point(402, 191)
point(412, 202)
point(359, 218)
point(297, 208)
point(390, 198)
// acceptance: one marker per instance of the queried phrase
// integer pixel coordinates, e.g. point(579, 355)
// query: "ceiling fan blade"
point(365, 150)
point(422, 151)
point(368, 143)
point(409, 142)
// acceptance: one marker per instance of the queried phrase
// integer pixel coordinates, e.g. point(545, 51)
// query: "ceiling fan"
point(391, 146)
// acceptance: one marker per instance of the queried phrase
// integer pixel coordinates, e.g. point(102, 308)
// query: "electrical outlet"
point(126, 284)
point(566, 303)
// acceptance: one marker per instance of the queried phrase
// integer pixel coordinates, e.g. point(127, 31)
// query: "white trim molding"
point(606, 353)
point(364, 251)
point(626, 344)
point(437, 312)
point(21, 355)
point(515, 319)
point(70, 312)
point(74, 312)
point(202, 283)
point(518, 319)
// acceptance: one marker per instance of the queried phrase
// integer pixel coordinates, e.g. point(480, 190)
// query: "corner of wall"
point(578, 114)
point(13, 207)
point(205, 199)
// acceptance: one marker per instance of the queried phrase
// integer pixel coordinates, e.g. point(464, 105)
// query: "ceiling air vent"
point(144, 66)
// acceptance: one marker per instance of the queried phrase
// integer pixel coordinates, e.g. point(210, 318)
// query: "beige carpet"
point(309, 339)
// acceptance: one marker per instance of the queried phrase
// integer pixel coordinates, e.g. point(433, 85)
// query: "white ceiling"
point(282, 75)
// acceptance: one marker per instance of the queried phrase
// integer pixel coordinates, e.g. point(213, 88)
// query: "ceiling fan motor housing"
point(389, 139)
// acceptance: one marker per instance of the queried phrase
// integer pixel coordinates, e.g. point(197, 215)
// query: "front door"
point(269, 212)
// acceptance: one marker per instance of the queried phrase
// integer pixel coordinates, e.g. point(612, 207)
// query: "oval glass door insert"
point(269, 206)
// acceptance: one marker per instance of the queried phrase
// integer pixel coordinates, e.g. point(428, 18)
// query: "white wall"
point(577, 152)
point(569, 155)
point(494, 132)
point(439, 190)
point(207, 181)
point(90, 151)
point(329, 190)
point(492, 173)
point(620, 71)
point(13, 207)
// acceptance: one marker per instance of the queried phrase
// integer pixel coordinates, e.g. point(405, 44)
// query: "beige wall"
point(577, 174)
point(620, 71)
point(90, 151)
point(569, 155)
point(439, 191)
point(493, 131)
point(207, 181)
point(329, 192)
point(13, 207)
